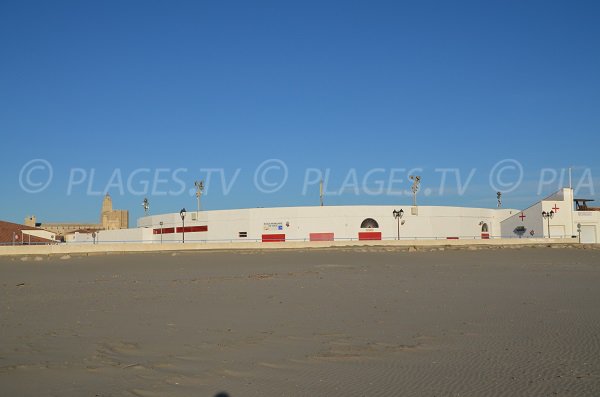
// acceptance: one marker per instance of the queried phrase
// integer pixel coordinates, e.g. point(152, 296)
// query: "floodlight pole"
point(199, 189)
point(321, 191)
point(415, 187)
point(161, 231)
point(146, 205)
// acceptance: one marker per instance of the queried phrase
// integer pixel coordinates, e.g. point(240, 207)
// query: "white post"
point(321, 191)
point(570, 179)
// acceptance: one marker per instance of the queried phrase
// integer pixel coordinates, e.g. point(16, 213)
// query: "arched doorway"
point(369, 223)
point(485, 234)
point(371, 233)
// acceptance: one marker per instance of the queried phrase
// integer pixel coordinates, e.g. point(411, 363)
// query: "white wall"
point(139, 235)
point(344, 221)
point(530, 218)
point(590, 223)
point(39, 233)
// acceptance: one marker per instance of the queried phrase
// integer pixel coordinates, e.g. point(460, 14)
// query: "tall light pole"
point(199, 189)
point(146, 205)
point(499, 197)
point(398, 215)
point(321, 191)
point(548, 216)
point(161, 231)
point(415, 187)
point(182, 215)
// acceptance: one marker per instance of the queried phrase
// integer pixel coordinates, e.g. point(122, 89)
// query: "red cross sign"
point(555, 208)
point(522, 216)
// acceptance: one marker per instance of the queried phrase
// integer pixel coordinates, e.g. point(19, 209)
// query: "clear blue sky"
point(347, 84)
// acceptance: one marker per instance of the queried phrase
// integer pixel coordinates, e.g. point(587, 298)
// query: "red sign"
point(273, 238)
point(369, 236)
point(321, 237)
point(522, 216)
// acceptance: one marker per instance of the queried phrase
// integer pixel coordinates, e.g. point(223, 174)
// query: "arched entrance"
point(369, 227)
point(369, 223)
point(485, 234)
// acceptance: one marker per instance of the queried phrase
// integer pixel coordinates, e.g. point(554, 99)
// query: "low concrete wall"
point(64, 249)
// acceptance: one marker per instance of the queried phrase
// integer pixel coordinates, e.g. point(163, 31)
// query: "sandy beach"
point(335, 322)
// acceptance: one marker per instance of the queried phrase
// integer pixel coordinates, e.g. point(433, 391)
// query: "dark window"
point(243, 234)
point(369, 223)
point(484, 228)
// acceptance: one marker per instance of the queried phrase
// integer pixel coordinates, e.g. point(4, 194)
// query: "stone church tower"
point(113, 219)
point(107, 204)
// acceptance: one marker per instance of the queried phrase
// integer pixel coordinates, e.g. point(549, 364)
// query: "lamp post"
point(182, 214)
point(161, 227)
point(398, 215)
point(548, 216)
point(579, 231)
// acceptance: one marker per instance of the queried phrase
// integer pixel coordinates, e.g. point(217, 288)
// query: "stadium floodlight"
point(415, 187)
point(146, 205)
point(199, 189)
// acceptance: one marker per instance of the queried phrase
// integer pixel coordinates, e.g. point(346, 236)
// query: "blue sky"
point(94, 87)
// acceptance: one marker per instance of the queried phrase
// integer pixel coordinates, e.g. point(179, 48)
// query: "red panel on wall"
point(270, 238)
point(451, 238)
point(192, 229)
point(164, 230)
point(369, 235)
point(485, 236)
point(321, 236)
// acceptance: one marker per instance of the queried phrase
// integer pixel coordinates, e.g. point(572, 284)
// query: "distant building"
point(556, 216)
point(113, 219)
point(109, 220)
point(13, 233)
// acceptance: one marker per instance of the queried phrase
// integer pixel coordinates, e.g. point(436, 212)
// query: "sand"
point(339, 322)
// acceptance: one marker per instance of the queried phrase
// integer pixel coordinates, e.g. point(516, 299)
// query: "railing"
point(20, 244)
point(189, 240)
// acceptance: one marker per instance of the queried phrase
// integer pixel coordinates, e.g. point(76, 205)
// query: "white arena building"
point(368, 222)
